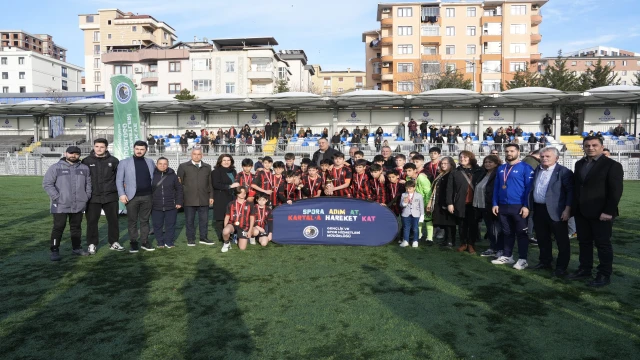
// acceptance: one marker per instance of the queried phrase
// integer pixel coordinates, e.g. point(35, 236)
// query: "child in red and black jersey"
point(263, 223)
point(245, 178)
point(291, 190)
point(238, 219)
point(262, 179)
point(312, 183)
point(360, 184)
point(339, 178)
point(394, 192)
point(377, 185)
point(401, 160)
point(277, 180)
point(289, 160)
point(304, 165)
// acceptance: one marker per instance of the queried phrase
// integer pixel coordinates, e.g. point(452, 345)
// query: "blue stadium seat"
point(197, 141)
point(620, 142)
point(538, 133)
point(372, 134)
point(484, 143)
point(511, 138)
point(489, 138)
point(525, 138)
point(472, 134)
point(343, 139)
point(607, 133)
point(464, 135)
point(305, 144)
point(585, 134)
point(400, 138)
point(475, 138)
point(614, 138)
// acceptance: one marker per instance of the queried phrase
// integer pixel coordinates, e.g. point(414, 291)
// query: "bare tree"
point(56, 95)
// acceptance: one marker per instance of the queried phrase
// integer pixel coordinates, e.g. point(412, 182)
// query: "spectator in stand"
point(160, 144)
point(400, 130)
point(533, 140)
point(344, 132)
point(619, 130)
point(379, 132)
point(378, 142)
point(293, 125)
point(439, 141)
point(151, 141)
point(413, 129)
point(335, 141)
point(518, 131)
point(542, 140)
point(184, 143)
point(606, 152)
point(452, 139)
point(424, 128)
point(458, 131)
point(468, 143)
point(167, 199)
point(510, 132)
point(267, 130)
point(355, 139)
point(547, 122)
point(275, 130)
point(433, 133)
point(203, 133)
point(308, 133)
point(288, 133)
point(325, 133)
point(488, 133)
point(284, 124)
point(301, 133)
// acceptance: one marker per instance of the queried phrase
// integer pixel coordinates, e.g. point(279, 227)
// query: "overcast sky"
point(329, 31)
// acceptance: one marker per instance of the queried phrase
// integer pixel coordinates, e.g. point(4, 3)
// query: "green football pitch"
point(300, 302)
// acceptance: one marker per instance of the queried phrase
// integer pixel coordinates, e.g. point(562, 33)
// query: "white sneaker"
point(252, 241)
point(521, 264)
point(399, 241)
point(503, 260)
point(414, 244)
point(499, 253)
point(404, 243)
point(92, 249)
point(226, 247)
point(117, 247)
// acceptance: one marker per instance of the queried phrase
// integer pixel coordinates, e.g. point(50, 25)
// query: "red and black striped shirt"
point(263, 217)
point(269, 181)
point(288, 192)
point(245, 179)
point(378, 191)
point(239, 213)
point(313, 185)
point(339, 177)
point(394, 193)
point(360, 186)
point(295, 169)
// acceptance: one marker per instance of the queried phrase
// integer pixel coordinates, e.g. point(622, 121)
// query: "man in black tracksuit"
point(104, 195)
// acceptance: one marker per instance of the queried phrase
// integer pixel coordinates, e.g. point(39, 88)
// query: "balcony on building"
point(386, 41)
point(261, 75)
point(430, 14)
point(149, 77)
point(386, 22)
point(147, 36)
point(126, 54)
point(536, 20)
point(488, 37)
point(431, 40)
point(492, 14)
point(387, 77)
point(387, 58)
point(535, 57)
point(536, 38)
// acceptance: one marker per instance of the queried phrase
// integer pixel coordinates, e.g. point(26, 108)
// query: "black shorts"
point(242, 234)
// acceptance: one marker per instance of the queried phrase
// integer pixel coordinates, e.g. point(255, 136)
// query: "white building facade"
point(25, 71)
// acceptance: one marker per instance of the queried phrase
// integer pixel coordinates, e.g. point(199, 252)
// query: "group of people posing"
point(428, 197)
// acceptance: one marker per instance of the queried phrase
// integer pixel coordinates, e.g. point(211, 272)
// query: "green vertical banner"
point(126, 117)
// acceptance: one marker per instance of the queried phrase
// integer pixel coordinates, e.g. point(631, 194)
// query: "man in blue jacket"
point(551, 197)
point(68, 184)
point(511, 205)
point(133, 181)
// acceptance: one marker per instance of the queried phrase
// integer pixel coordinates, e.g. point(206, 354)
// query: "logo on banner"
point(254, 119)
point(496, 116)
point(425, 114)
point(496, 113)
point(80, 124)
point(310, 232)
point(192, 121)
point(607, 116)
point(123, 93)
point(354, 115)
point(354, 118)
point(7, 124)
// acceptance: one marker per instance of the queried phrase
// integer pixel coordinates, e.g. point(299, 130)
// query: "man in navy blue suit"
point(551, 195)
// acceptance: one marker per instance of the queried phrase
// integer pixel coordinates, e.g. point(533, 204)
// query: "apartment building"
point(487, 41)
point(338, 82)
point(110, 31)
point(243, 66)
point(301, 73)
point(626, 64)
point(26, 71)
point(39, 43)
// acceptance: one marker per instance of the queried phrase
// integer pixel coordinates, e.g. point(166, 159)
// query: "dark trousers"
point(164, 226)
point(219, 226)
point(410, 224)
point(190, 218)
point(59, 223)
point(469, 226)
point(93, 217)
point(545, 227)
point(596, 232)
point(494, 231)
point(139, 208)
point(449, 234)
point(514, 227)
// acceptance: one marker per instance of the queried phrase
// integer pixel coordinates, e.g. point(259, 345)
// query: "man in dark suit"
point(597, 192)
point(325, 152)
point(552, 196)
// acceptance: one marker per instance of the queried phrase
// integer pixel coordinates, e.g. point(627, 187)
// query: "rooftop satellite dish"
point(204, 39)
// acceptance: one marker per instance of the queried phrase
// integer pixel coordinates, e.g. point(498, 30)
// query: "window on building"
point(588, 63)
point(624, 63)
point(282, 73)
point(359, 82)
point(492, 67)
point(469, 67)
point(96, 63)
point(518, 28)
point(451, 31)
point(405, 49)
point(450, 12)
point(471, 12)
point(429, 50)
point(263, 67)
point(21, 75)
point(491, 86)
point(327, 91)
point(166, 36)
point(21, 60)
point(230, 66)
point(430, 30)
point(3, 61)
point(340, 79)
point(108, 22)
point(174, 66)
point(122, 69)
point(153, 68)
point(518, 9)
point(623, 73)
point(261, 89)
point(327, 81)
point(450, 49)
point(574, 63)
point(518, 66)
point(405, 67)
point(471, 31)
point(175, 88)
point(64, 85)
point(96, 36)
point(340, 90)
point(134, 28)
point(471, 49)
point(518, 48)
point(109, 36)
point(450, 67)
point(23, 89)
point(405, 12)
point(430, 11)
point(623, 82)
point(230, 88)
point(405, 30)
point(96, 49)
point(405, 86)
point(202, 85)
point(431, 67)
point(611, 63)
point(97, 77)
point(201, 64)
point(64, 71)
point(96, 88)
point(5, 89)
point(5, 76)
point(88, 18)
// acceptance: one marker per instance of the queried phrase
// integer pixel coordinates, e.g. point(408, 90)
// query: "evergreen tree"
point(599, 75)
point(636, 79)
point(185, 95)
point(524, 78)
point(558, 76)
point(452, 79)
point(281, 87)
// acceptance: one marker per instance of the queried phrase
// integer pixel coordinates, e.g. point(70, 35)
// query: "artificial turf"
point(300, 302)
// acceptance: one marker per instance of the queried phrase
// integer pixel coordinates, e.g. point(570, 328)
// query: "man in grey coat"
point(195, 177)
point(68, 184)
point(133, 181)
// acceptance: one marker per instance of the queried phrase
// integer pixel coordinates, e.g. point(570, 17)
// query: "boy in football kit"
point(360, 185)
point(245, 178)
point(289, 163)
point(304, 165)
point(377, 185)
point(238, 220)
point(263, 220)
point(312, 182)
point(340, 176)
point(291, 190)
